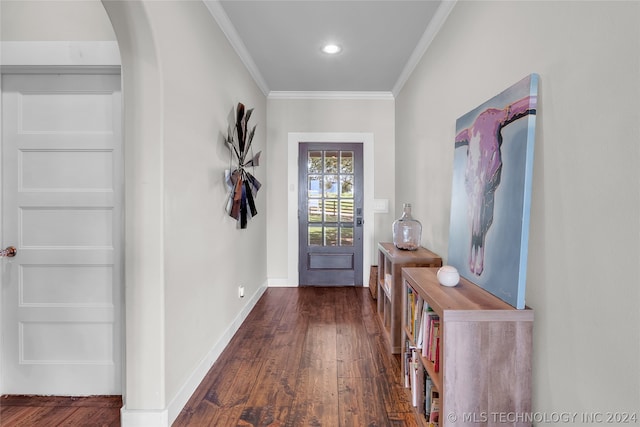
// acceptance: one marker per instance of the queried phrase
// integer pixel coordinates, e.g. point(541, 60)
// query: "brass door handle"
point(10, 252)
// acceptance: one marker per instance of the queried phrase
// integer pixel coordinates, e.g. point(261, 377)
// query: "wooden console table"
point(390, 262)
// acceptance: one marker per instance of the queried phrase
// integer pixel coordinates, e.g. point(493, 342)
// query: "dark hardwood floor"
point(303, 357)
point(37, 411)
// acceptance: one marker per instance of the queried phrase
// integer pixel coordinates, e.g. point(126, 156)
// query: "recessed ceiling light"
point(331, 49)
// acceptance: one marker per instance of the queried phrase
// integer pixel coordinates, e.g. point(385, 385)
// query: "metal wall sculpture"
point(243, 186)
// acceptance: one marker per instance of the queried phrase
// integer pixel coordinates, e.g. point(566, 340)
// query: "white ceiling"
point(280, 41)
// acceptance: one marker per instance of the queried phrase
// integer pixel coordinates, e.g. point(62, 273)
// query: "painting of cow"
point(491, 192)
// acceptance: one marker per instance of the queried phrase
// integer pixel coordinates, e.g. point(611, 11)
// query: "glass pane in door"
point(330, 214)
point(330, 184)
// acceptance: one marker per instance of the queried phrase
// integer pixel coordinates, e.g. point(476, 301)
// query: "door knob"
point(10, 252)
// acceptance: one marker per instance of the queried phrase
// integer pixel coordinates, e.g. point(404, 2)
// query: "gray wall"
point(24, 20)
point(584, 248)
point(316, 116)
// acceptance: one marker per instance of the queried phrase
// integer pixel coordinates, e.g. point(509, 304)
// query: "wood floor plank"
point(316, 401)
point(43, 416)
point(198, 414)
point(11, 415)
point(92, 417)
point(354, 352)
point(359, 404)
point(403, 419)
point(270, 401)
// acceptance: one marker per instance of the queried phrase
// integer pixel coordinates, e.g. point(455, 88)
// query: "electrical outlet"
point(241, 291)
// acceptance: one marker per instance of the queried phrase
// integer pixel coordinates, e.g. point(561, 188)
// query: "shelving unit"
point(389, 296)
point(484, 350)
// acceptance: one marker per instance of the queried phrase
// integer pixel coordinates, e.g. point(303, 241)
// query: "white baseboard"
point(280, 283)
point(196, 377)
point(144, 418)
point(284, 283)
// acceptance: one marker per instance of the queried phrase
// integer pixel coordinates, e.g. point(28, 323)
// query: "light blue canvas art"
point(491, 194)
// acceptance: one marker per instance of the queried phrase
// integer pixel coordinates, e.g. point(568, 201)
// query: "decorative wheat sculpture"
point(243, 186)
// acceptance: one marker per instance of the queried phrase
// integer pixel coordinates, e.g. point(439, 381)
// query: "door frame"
point(63, 57)
point(294, 140)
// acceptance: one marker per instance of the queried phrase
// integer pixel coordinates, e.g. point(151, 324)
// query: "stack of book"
point(423, 326)
point(423, 391)
point(422, 348)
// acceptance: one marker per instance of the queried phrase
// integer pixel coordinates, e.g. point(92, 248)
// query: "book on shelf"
point(388, 278)
point(434, 412)
point(434, 337)
point(428, 386)
point(431, 325)
point(408, 315)
point(417, 380)
point(436, 363)
point(416, 318)
point(417, 308)
point(420, 323)
point(431, 401)
point(407, 365)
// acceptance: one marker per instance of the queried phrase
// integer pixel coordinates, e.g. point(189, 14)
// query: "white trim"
point(197, 376)
point(60, 54)
point(294, 139)
point(433, 28)
point(341, 95)
point(143, 417)
point(280, 283)
point(218, 13)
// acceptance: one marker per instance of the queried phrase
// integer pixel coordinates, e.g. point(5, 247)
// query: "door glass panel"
point(315, 235)
point(346, 162)
point(346, 210)
point(346, 186)
point(331, 236)
point(315, 162)
point(315, 186)
point(331, 194)
point(331, 162)
point(346, 235)
point(331, 186)
point(314, 210)
point(331, 211)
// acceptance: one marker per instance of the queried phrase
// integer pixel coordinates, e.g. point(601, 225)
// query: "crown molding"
point(218, 13)
point(336, 95)
point(439, 18)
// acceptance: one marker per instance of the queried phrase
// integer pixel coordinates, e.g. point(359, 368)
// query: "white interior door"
point(62, 209)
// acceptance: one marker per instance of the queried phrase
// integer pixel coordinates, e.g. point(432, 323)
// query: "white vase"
point(448, 276)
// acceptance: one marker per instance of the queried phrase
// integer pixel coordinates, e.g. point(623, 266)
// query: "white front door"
point(62, 184)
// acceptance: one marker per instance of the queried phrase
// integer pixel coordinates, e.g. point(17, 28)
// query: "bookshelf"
point(389, 296)
point(482, 367)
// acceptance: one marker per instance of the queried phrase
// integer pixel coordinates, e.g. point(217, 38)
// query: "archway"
point(144, 390)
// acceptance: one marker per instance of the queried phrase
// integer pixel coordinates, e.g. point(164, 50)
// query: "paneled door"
point(62, 183)
point(330, 217)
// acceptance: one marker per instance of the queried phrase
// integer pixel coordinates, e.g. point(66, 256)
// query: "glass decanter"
point(407, 231)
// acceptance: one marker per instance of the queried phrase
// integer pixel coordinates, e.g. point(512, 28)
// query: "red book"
point(437, 362)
